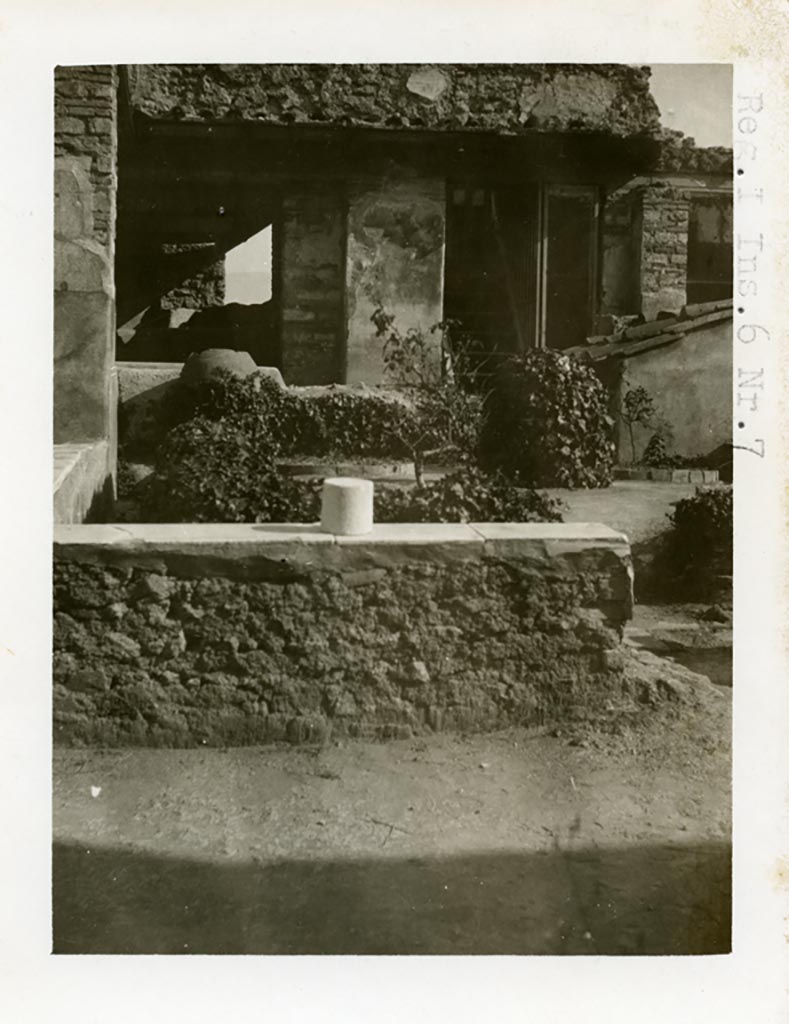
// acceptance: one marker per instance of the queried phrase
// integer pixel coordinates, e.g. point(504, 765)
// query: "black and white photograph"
point(393, 504)
point(393, 578)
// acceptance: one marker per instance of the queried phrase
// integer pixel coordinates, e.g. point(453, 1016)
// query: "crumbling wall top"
point(679, 154)
point(502, 98)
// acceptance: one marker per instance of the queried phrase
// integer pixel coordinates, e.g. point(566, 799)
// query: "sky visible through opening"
point(248, 270)
point(693, 98)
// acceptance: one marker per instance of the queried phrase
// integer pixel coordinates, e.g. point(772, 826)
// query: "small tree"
point(444, 420)
point(637, 408)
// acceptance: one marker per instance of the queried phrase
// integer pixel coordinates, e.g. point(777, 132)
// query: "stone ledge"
point(218, 536)
point(284, 551)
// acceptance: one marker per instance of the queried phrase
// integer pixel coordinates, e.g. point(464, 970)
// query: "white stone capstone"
point(347, 506)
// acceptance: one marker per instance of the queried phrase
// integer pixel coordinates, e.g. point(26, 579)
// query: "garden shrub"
point(656, 452)
point(348, 425)
point(546, 422)
point(340, 424)
point(223, 471)
point(211, 471)
point(657, 455)
point(467, 495)
point(701, 542)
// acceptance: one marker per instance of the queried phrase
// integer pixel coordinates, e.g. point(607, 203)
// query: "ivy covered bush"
point(209, 473)
point(701, 541)
point(222, 471)
point(466, 496)
point(341, 424)
point(546, 423)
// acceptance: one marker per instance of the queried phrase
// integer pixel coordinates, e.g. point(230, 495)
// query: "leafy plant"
point(546, 422)
point(656, 452)
point(467, 495)
point(446, 419)
point(223, 471)
point(703, 530)
point(638, 407)
point(338, 423)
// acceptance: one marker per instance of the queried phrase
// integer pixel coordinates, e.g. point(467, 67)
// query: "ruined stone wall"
point(665, 212)
point(176, 636)
point(85, 136)
point(506, 98)
point(85, 207)
point(200, 290)
point(310, 270)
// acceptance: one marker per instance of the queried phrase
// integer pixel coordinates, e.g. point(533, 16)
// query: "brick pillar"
point(310, 273)
point(85, 204)
point(395, 260)
point(663, 262)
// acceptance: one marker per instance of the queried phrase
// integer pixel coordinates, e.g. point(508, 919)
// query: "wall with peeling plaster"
point(395, 261)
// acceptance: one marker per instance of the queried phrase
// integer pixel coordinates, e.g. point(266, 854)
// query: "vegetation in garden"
point(638, 409)
point(543, 422)
point(447, 417)
point(467, 495)
point(547, 424)
point(701, 541)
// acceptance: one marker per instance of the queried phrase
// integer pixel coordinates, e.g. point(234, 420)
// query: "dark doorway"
point(490, 275)
point(521, 265)
point(570, 246)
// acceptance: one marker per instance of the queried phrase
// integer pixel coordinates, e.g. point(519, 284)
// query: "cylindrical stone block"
point(347, 506)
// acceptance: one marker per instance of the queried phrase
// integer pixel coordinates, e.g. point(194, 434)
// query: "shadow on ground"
point(654, 899)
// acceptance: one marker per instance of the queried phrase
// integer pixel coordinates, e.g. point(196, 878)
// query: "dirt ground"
point(511, 843)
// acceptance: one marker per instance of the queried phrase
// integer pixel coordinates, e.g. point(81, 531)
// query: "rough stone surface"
point(505, 98)
point(652, 679)
point(202, 289)
point(665, 217)
point(358, 638)
point(202, 365)
point(679, 153)
point(85, 111)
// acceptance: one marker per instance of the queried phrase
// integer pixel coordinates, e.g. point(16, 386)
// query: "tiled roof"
point(644, 337)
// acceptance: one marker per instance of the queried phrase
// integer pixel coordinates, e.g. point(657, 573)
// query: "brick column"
point(663, 264)
point(310, 273)
point(85, 204)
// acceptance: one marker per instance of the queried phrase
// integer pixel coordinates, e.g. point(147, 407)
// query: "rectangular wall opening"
point(569, 264)
point(521, 264)
point(710, 241)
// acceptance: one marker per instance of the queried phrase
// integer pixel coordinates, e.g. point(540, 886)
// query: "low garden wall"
point(228, 634)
